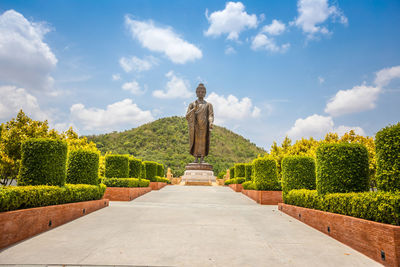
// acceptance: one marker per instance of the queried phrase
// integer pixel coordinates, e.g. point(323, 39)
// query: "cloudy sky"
point(272, 68)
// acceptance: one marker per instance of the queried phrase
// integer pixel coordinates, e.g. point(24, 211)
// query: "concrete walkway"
point(185, 226)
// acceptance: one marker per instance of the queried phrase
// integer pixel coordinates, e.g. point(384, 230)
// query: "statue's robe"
point(199, 127)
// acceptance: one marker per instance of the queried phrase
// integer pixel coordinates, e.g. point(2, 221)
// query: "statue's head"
point(201, 91)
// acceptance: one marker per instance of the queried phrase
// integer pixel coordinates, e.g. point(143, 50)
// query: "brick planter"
point(236, 187)
point(373, 239)
point(125, 193)
point(264, 197)
point(157, 185)
point(18, 225)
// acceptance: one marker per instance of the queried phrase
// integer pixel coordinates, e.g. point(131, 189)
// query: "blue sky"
point(271, 68)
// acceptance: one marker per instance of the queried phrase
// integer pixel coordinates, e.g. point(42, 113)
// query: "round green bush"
point(387, 143)
point(43, 162)
point(298, 172)
point(83, 167)
point(265, 174)
point(342, 168)
point(117, 166)
point(151, 170)
point(248, 169)
point(231, 172)
point(240, 170)
point(135, 166)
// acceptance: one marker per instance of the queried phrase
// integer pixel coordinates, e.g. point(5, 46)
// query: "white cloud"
point(120, 115)
point(385, 76)
point(313, 13)
point(232, 20)
point(25, 59)
point(318, 126)
point(16, 99)
point(262, 41)
point(133, 87)
point(232, 108)
point(163, 40)
point(341, 130)
point(137, 64)
point(321, 80)
point(176, 88)
point(357, 99)
point(230, 50)
point(116, 77)
point(275, 28)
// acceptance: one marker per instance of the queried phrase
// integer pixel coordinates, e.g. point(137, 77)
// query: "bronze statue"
point(200, 117)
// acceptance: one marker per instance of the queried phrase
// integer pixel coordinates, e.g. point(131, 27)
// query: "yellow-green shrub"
point(24, 197)
point(117, 166)
point(83, 167)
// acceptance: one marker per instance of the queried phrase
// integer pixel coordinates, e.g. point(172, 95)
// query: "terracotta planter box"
point(157, 185)
point(379, 241)
point(125, 193)
point(18, 225)
point(236, 187)
point(264, 197)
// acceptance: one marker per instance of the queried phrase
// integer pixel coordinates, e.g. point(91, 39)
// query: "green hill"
point(166, 141)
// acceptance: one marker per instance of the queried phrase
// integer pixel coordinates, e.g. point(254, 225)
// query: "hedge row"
point(248, 169)
point(342, 168)
point(117, 166)
point(160, 170)
point(265, 174)
point(43, 162)
point(83, 167)
point(162, 180)
point(151, 170)
point(240, 170)
point(125, 182)
point(298, 172)
point(135, 167)
point(387, 142)
point(381, 207)
point(231, 172)
point(237, 180)
point(23, 197)
point(249, 185)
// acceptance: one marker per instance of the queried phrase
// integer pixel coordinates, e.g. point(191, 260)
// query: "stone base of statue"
point(198, 174)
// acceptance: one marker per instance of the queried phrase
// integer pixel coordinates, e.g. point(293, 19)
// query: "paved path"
point(185, 226)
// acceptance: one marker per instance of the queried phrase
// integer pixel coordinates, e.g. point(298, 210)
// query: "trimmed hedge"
point(342, 168)
point(83, 167)
point(381, 207)
point(231, 172)
point(126, 182)
point(43, 162)
point(24, 197)
point(240, 170)
point(151, 170)
point(135, 167)
point(248, 170)
point(298, 172)
point(265, 174)
point(249, 185)
point(143, 172)
point(117, 166)
point(237, 180)
point(387, 142)
point(160, 170)
point(162, 180)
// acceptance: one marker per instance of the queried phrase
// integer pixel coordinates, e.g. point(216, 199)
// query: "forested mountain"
point(166, 141)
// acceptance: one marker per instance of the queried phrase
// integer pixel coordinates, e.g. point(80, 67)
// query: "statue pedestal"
point(198, 174)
